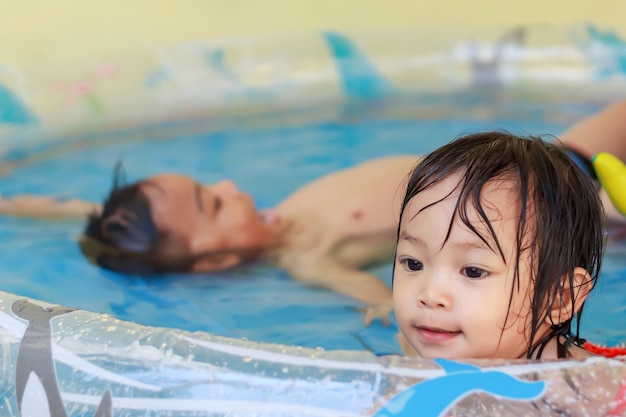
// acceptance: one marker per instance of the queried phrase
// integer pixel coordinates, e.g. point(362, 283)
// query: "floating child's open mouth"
point(269, 216)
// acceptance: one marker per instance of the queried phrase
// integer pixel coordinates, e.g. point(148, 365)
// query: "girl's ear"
point(562, 309)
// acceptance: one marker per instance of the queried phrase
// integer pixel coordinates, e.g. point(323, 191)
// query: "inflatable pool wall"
point(57, 361)
point(244, 75)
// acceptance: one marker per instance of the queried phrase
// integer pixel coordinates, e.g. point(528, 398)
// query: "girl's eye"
point(474, 273)
point(413, 264)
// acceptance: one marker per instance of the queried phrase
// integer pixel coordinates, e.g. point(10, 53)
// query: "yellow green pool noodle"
point(611, 172)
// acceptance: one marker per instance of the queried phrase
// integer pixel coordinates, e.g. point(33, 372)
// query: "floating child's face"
point(207, 218)
point(452, 300)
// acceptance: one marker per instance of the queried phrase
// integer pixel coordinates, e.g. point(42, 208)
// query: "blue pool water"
point(269, 156)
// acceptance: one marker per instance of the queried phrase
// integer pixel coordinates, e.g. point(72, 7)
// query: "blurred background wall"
point(38, 31)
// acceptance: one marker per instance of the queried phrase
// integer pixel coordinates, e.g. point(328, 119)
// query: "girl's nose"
point(434, 294)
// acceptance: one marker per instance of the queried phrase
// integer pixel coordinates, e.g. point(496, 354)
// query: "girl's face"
point(452, 300)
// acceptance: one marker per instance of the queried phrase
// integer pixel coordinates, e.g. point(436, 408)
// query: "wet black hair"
point(561, 221)
point(124, 236)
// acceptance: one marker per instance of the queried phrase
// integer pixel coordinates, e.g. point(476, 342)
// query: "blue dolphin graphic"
point(617, 47)
point(359, 77)
point(216, 60)
point(12, 110)
point(433, 397)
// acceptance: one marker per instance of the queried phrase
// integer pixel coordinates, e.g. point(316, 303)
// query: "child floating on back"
point(500, 242)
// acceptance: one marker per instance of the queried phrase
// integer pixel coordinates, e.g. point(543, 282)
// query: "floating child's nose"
point(228, 187)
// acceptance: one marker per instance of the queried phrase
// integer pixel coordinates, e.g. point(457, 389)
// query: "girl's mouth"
point(436, 335)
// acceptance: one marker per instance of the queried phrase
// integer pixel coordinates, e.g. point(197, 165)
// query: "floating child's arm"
point(45, 207)
point(604, 131)
point(406, 347)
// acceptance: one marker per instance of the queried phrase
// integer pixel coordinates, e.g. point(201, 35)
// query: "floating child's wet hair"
point(125, 238)
point(561, 221)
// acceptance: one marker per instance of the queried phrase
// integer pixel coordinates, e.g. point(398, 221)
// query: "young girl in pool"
point(500, 242)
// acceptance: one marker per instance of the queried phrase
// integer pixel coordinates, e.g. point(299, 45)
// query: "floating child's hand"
point(44, 206)
point(378, 311)
point(406, 347)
